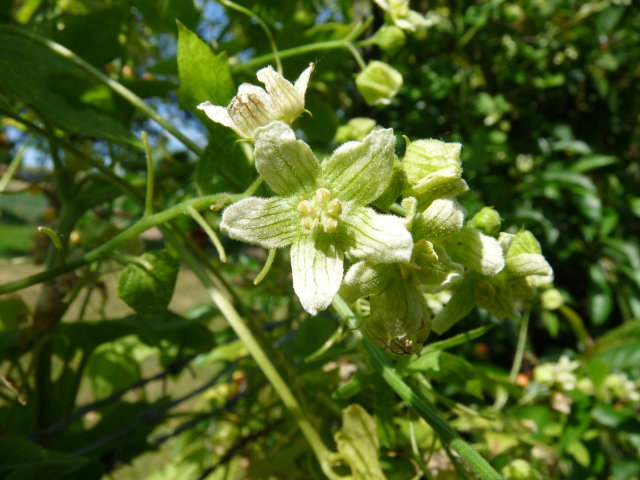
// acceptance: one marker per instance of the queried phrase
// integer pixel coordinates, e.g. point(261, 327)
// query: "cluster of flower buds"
point(339, 243)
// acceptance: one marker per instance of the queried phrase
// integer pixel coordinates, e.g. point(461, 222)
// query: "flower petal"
point(268, 222)
point(364, 279)
point(286, 164)
point(303, 81)
point(458, 307)
point(442, 219)
point(399, 320)
point(219, 115)
point(375, 238)
point(251, 108)
point(361, 171)
point(527, 264)
point(317, 267)
point(285, 99)
point(477, 251)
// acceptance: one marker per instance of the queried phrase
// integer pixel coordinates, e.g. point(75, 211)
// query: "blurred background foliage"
point(544, 97)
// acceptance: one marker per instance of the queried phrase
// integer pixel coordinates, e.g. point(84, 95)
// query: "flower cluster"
point(323, 211)
point(560, 379)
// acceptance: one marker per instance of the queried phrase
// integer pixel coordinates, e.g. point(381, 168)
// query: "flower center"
point(320, 210)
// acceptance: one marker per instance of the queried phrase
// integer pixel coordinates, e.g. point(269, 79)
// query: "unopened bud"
point(378, 83)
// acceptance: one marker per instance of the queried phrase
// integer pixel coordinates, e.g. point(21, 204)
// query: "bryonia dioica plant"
point(385, 234)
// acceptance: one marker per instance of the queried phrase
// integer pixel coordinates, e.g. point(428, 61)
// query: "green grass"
point(15, 239)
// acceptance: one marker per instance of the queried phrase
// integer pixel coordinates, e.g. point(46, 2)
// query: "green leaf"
point(456, 340)
point(147, 285)
point(625, 356)
point(622, 419)
point(23, 460)
point(203, 74)
point(579, 452)
point(206, 76)
point(36, 75)
point(600, 296)
point(13, 312)
point(110, 369)
point(222, 166)
point(358, 443)
point(591, 162)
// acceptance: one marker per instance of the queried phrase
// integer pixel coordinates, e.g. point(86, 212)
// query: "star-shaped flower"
point(253, 107)
point(321, 209)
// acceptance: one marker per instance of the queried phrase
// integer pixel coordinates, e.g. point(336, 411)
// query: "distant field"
point(15, 239)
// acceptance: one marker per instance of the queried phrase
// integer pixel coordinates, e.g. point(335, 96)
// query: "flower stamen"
point(320, 210)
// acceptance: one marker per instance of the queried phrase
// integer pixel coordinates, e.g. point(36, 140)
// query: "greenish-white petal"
point(249, 109)
point(317, 267)
point(364, 279)
point(360, 171)
point(442, 219)
point(287, 165)
point(460, 304)
point(268, 222)
point(399, 319)
point(527, 264)
point(219, 115)
point(523, 242)
point(373, 237)
point(445, 183)
point(476, 251)
point(287, 101)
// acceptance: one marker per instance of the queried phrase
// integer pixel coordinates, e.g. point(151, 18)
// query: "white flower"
point(560, 374)
point(253, 107)
point(321, 209)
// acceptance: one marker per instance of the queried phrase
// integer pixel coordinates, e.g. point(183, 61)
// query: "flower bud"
point(487, 220)
point(389, 38)
point(355, 129)
point(399, 320)
point(433, 169)
point(378, 83)
point(551, 299)
point(524, 258)
point(520, 470)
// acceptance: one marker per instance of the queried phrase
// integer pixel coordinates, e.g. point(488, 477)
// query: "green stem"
point(12, 169)
point(124, 92)
point(130, 233)
point(426, 409)
point(577, 325)
point(267, 266)
point(322, 453)
point(295, 51)
point(55, 238)
point(148, 202)
point(209, 231)
point(522, 343)
point(263, 25)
